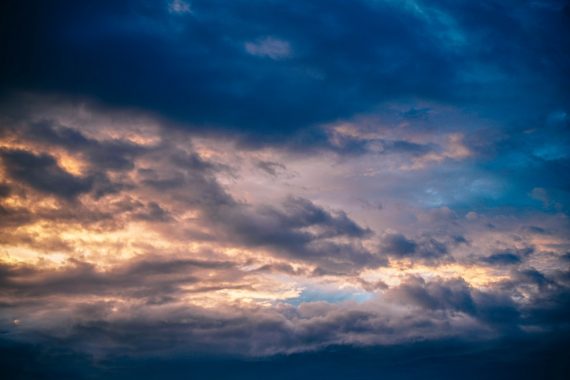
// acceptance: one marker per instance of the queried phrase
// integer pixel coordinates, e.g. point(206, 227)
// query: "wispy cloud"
point(269, 47)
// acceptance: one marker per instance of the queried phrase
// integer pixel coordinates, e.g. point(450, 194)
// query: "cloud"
point(44, 174)
point(440, 309)
point(520, 358)
point(271, 168)
point(502, 259)
point(495, 309)
point(397, 245)
point(269, 47)
point(345, 61)
point(150, 280)
point(147, 208)
point(453, 295)
point(179, 7)
point(299, 230)
point(107, 155)
point(159, 183)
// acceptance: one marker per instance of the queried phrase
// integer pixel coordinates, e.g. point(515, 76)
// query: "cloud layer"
point(280, 180)
point(146, 239)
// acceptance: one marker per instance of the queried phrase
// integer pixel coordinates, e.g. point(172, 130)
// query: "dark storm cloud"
point(195, 65)
point(344, 58)
point(43, 173)
point(144, 279)
point(300, 230)
point(549, 295)
point(5, 190)
point(502, 259)
point(186, 179)
point(165, 328)
point(493, 308)
point(526, 358)
point(399, 245)
point(182, 329)
point(452, 295)
point(109, 155)
point(425, 248)
point(508, 257)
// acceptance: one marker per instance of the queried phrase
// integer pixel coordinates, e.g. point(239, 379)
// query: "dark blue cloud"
point(529, 357)
point(344, 57)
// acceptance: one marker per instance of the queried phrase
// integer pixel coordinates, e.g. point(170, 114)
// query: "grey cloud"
point(546, 300)
point(425, 248)
point(502, 259)
point(167, 327)
point(493, 308)
point(179, 178)
point(301, 212)
point(452, 295)
point(143, 279)
point(106, 155)
point(459, 239)
point(508, 257)
point(301, 230)
point(42, 173)
point(533, 277)
point(399, 245)
point(186, 179)
point(5, 190)
point(270, 167)
point(153, 213)
point(164, 328)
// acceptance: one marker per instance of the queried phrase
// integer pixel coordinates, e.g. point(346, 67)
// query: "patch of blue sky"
point(551, 152)
point(333, 297)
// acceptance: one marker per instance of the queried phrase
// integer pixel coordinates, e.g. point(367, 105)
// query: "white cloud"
point(179, 7)
point(269, 47)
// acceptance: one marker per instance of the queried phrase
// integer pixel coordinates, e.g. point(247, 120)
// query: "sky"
point(285, 189)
